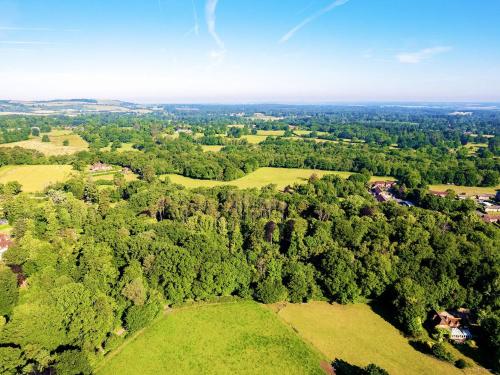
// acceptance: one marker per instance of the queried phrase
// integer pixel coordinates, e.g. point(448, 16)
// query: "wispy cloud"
point(311, 18)
point(210, 7)
point(423, 54)
point(23, 42)
point(8, 28)
point(196, 26)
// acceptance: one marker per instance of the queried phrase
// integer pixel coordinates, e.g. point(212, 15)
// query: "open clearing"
point(55, 146)
point(231, 338)
point(468, 190)
point(262, 177)
point(211, 148)
point(125, 147)
point(35, 178)
point(359, 336)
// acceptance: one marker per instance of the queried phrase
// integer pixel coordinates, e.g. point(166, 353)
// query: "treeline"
point(89, 268)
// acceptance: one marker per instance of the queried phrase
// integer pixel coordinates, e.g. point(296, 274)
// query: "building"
point(460, 334)
point(490, 218)
point(441, 194)
point(5, 243)
point(383, 184)
point(445, 320)
point(99, 167)
point(485, 197)
point(492, 208)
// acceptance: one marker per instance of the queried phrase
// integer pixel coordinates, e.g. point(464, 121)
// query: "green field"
point(35, 178)
point(262, 177)
point(211, 148)
point(231, 338)
point(55, 146)
point(273, 133)
point(359, 336)
point(125, 147)
point(468, 190)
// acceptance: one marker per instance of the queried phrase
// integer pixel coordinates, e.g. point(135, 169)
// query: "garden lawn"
point(231, 338)
point(356, 334)
point(35, 178)
point(262, 177)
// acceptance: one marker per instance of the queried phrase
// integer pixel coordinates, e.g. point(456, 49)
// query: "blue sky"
point(251, 50)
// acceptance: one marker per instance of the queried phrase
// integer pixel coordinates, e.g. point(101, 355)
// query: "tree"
point(72, 362)
point(8, 290)
point(66, 142)
point(45, 138)
point(271, 290)
point(35, 132)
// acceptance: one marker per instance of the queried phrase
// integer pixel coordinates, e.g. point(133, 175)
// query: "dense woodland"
point(92, 264)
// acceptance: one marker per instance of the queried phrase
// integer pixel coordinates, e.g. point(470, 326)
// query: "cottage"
point(460, 334)
point(485, 197)
point(441, 194)
point(492, 208)
point(445, 320)
point(5, 243)
point(383, 184)
point(490, 218)
point(99, 167)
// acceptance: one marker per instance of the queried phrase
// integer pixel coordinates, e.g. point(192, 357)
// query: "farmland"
point(231, 338)
point(35, 178)
point(55, 146)
point(262, 177)
point(359, 336)
point(467, 190)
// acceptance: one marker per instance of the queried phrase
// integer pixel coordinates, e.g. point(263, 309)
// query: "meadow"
point(467, 190)
point(55, 146)
point(262, 177)
point(358, 335)
point(211, 148)
point(35, 178)
point(230, 338)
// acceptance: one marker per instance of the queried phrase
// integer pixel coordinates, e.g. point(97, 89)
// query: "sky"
point(250, 51)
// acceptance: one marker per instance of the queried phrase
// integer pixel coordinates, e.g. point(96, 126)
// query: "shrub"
point(461, 364)
point(72, 362)
point(271, 291)
point(439, 351)
point(139, 316)
point(45, 138)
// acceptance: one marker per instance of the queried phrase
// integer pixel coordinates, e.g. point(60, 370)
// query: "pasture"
point(211, 148)
point(467, 190)
point(55, 146)
point(262, 177)
point(35, 178)
point(358, 335)
point(230, 338)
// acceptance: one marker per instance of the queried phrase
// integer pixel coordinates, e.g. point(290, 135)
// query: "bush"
point(72, 362)
point(139, 316)
point(439, 351)
point(45, 138)
point(271, 291)
point(461, 364)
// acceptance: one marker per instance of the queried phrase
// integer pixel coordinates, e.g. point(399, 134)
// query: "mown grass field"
point(356, 334)
point(262, 177)
point(125, 147)
point(211, 148)
point(35, 178)
point(55, 146)
point(231, 338)
point(468, 190)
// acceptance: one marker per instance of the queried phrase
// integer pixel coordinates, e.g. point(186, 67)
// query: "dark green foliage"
point(72, 362)
point(439, 351)
point(139, 316)
point(270, 291)
point(461, 364)
point(8, 290)
point(344, 368)
point(45, 138)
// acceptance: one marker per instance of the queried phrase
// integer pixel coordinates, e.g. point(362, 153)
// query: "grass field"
point(273, 133)
point(211, 148)
point(468, 190)
point(231, 338)
point(55, 146)
point(35, 178)
point(356, 334)
point(125, 147)
point(262, 177)
point(254, 139)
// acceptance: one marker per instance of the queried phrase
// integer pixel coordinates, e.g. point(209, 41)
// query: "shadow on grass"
point(474, 353)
